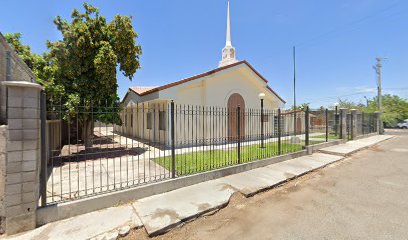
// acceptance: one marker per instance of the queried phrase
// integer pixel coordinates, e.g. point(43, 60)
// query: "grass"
point(200, 161)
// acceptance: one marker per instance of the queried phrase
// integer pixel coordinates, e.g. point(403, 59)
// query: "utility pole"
point(294, 138)
point(294, 89)
point(377, 67)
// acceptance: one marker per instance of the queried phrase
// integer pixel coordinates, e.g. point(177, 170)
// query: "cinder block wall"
point(23, 157)
point(3, 149)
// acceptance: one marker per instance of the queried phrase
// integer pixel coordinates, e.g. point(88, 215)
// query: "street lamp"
point(261, 97)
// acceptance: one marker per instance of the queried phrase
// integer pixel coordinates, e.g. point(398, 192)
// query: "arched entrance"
point(233, 101)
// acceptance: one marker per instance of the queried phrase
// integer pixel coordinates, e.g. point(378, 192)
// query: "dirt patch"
point(376, 148)
point(203, 206)
point(165, 212)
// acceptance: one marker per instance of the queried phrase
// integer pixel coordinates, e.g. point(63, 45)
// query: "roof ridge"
point(172, 84)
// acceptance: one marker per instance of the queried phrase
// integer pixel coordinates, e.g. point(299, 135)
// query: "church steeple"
point(228, 52)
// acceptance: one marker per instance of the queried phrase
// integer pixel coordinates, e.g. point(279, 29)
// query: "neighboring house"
point(234, 83)
point(12, 68)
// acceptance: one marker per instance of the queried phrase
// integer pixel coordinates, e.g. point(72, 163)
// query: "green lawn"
point(200, 161)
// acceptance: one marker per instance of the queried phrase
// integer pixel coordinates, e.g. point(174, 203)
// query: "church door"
point(233, 102)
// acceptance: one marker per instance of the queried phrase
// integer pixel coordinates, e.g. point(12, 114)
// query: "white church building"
point(146, 110)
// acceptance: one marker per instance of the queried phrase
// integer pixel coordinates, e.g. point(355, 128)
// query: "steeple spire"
point(228, 52)
point(228, 42)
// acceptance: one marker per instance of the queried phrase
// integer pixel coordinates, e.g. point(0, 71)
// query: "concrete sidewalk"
point(160, 213)
point(353, 146)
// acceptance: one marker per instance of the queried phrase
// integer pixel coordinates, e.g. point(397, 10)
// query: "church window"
point(149, 120)
point(162, 120)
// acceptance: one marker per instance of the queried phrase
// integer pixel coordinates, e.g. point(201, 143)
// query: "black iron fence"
point(97, 148)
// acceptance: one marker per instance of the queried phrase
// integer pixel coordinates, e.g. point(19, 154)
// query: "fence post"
point(307, 126)
point(262, 124)
point(351, 128)
point(353, 125)
point(173, 151)
point(21, 151)
point(336, 122)
point(377, 122)
point(343, 123)
point(327, 124)
point(279, 132)
point(44, 164)
point(239, 132)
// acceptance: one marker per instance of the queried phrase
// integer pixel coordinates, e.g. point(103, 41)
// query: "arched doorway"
point(233, 101)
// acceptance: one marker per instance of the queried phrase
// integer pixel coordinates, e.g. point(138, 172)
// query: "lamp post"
point(261, 97)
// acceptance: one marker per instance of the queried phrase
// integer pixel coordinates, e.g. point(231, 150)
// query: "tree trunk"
point(87, 133)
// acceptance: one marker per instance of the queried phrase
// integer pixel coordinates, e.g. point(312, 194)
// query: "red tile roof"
point(147, 90)
point(141, 90)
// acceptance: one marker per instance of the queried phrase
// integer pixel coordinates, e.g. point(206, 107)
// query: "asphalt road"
point(362, 197)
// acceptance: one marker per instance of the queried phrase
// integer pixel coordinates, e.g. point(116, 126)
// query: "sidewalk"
point(159, 213)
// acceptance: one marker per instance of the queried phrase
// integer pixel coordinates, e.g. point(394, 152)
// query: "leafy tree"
point(41, 65)
point(344, 103)
point(394, 108)
point(87, 59)
point(23, 51)
point(302, 106)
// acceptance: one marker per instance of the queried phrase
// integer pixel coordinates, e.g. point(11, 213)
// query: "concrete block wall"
point(23, 162)
point(355, 127)
point(343, 123)
point(378, 123)
point(3, 150)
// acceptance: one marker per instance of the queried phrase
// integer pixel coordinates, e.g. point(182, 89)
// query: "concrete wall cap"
point(22, 84)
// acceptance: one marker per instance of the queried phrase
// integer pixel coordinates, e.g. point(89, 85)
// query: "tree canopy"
point(80, 70)
point(41, 65)
point(394, 108)
point(89, 54)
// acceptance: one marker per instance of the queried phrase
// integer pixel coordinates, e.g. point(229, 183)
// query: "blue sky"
point(337, 41)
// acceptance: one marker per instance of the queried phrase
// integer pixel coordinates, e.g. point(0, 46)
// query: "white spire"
point(228, 52)
point(228, 42)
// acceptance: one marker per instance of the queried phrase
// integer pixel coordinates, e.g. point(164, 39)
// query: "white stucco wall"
point(212, 91)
